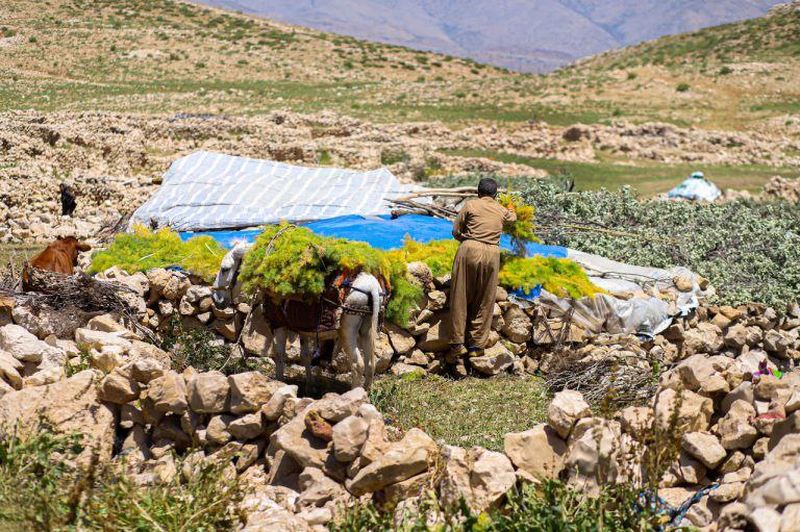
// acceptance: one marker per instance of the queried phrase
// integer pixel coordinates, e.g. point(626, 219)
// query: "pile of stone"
point(731, 420)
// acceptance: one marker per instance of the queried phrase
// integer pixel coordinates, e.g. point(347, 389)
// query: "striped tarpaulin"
point(208, 190)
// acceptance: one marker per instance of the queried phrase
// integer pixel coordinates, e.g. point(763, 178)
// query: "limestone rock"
point(208, 392)
point(566, 408)
point(495, 360)
point(591, 460)
point(538, 452)
point(482, 478)
point(247, 427)
point(250, 391)
point(22, 345)
point(734, 429)
point(705, 447)
point(349, 436)
point(167, 394)
point(119, 387)
point(517, 325)
point(66, 407)
point(404, 459)
point(694, 413)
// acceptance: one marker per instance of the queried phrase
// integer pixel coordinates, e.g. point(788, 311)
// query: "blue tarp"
point(381, 232)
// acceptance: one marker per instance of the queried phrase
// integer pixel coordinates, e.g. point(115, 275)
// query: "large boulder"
point(70, 406)
point(404, 459)
point(538, 453)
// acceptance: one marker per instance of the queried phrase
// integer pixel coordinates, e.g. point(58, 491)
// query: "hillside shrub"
point(749, 250)
point(144, 250)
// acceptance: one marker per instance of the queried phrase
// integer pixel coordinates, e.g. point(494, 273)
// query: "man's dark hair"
point(487, 187)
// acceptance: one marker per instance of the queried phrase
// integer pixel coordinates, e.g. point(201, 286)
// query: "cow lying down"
point(60, 256)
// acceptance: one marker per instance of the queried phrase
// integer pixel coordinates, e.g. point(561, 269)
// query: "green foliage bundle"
point(41, 490)
point(561, 277)
point(749, 250)
point(144, 250)
point(523, 229)
point(293, 261)
point(438, 255)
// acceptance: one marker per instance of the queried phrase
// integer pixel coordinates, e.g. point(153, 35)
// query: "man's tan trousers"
point(473, 292)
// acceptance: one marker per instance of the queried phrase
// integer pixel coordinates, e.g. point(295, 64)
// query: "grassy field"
point(648, 178)
point(463, 412)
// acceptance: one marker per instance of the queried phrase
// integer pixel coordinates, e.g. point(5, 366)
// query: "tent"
point(207, 191)
point(695, 188)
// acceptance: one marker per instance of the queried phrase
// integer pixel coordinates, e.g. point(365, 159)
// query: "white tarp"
point(206, 190)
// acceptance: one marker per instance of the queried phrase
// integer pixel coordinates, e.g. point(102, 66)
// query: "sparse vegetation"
point(488, 408)
point(41, 489)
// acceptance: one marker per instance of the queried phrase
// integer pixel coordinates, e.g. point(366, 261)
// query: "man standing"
point(477, 264)
point(68, 202)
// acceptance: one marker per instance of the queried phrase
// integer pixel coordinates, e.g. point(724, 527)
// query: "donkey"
point(357, 333)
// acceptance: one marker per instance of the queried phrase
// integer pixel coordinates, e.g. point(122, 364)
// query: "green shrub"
point(551, 506)
point(750, 251)
point(144, 250)
point(682, 87)
point(40, 489)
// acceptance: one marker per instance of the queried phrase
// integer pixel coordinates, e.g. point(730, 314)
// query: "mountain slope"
point(164, 56)
point(527, 35)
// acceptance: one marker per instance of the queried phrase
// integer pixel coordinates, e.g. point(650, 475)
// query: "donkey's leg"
point(279, 351)
point(348, 340)
point(367, 338)
point(306, 349)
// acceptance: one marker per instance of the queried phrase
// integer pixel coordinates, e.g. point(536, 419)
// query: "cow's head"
point(225, 284)
point(72, 246)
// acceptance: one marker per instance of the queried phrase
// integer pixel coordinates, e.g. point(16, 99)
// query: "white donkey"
point(357, 332)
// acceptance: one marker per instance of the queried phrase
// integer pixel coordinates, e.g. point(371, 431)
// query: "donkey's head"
point(225, 286)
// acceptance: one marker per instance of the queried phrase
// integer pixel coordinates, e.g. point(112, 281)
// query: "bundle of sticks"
point(439, 202)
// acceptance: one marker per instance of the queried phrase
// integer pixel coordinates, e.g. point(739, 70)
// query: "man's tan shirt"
point(482, 220)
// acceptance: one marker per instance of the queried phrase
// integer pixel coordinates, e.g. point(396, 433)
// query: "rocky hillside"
point(166, 56)
point(524, 35)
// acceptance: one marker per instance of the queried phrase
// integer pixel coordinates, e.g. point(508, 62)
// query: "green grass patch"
point(646, 177)
point(464, 412)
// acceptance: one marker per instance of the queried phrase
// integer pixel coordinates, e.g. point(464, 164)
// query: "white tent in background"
point(206, 191)
point(696, 188)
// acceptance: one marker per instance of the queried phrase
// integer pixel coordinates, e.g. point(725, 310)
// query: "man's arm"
point(510, 215)
point(458, 224)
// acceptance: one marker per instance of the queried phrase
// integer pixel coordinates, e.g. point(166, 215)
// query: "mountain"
point(525, 35)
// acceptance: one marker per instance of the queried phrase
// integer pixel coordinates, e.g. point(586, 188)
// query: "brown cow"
point(60, 256)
